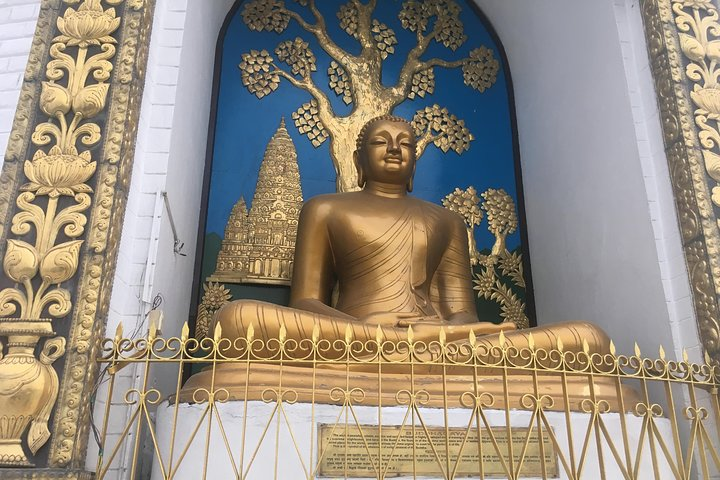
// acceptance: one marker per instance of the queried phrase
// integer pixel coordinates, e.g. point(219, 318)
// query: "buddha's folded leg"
point(571, 334)
point(574, 336)
point(267, 319)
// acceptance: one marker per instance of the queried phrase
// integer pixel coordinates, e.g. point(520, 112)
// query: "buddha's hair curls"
point(391, 118)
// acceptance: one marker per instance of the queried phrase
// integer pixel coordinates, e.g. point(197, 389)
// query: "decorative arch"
point(464, 117)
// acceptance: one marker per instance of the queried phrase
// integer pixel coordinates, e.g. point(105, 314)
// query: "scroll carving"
point(51, 216)
point(684, 46)
point(60, 190)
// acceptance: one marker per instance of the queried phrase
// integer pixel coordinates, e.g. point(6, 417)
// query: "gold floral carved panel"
point(63, 194)
point(683, 39)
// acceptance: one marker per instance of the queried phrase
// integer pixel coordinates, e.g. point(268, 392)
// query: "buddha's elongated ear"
point(361, 173)
point(410, 182)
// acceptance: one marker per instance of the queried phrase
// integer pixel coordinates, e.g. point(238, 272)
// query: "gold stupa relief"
point(500, 264)
point(259, 244)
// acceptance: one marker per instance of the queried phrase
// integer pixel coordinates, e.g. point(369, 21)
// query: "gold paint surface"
point(353, 451)
point(62, 196)
point(502, 221)
point(690, 184)
point(240, 382)
point(259, 245)
point(49, 222)
point(683, 39)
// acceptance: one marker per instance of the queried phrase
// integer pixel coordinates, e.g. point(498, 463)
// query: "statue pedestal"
point(281, 440)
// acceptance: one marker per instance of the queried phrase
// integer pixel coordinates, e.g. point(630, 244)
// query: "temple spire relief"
point(259, 244)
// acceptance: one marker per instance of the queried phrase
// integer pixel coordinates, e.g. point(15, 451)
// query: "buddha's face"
point(388, 152)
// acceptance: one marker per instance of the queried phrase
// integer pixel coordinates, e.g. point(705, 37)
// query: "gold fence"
point(322, 408)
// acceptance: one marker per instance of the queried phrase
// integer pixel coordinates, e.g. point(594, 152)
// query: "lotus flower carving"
point(88, 25)
point(708, 99)
point(60, 262)
point(59, 173)
point(91, 100)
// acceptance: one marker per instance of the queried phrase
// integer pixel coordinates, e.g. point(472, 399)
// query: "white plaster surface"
point(170, 156)
point(656, 175)
point(595, 191)
point(300, 421)
point(17, 27)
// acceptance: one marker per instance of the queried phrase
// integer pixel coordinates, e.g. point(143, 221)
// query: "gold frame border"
point(689, 177)
point(691, 187)
point(70, 422)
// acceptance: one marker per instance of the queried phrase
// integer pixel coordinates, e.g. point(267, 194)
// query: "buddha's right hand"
point(391, 319)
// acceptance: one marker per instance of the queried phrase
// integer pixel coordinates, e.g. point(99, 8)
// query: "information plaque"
point(353, 452)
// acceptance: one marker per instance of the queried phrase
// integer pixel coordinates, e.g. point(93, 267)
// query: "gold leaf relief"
point(59, 173)
point(93, 291)
point(713, 50)
point(58, 302)
point(60, 262)
point(691, 47)
point(39, 432)
point(682, 38)
point(502, 221)
point(712, 164)
point(21, 261)
point(54, 99)
point(357, 78)
point(707, 99)
point(10, 298)
point(91, 100)
point(88, 25)
point(60, 165)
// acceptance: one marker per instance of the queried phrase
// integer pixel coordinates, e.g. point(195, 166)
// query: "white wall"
point(170, 157)
point(601, 221)
point(17, 26)
point(656, 175)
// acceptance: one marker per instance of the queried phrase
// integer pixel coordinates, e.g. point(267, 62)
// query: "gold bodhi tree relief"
point(357, 79)
point(493, 273)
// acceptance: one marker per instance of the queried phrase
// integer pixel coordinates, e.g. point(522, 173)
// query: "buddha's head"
point(385, 152)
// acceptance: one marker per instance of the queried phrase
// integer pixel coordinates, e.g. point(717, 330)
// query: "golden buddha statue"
point(397, 261)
